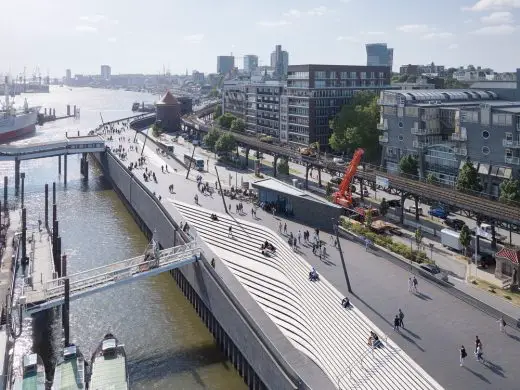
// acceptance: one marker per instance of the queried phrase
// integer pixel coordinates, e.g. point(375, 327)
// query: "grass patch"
point(513, 297)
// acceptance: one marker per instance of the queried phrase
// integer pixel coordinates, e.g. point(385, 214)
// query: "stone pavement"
point(436, 322)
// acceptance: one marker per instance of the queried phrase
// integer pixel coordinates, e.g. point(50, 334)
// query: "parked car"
point(412, 210)
point(454, 223)
point(486, 260)
point(438, 212)
point(431, 268)
point(394, 203)
point(336, 180)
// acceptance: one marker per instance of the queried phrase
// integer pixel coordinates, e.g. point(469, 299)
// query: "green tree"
point(418, 237)
point(211, 138)
point(226, 143)
point(213, 93)
point(451, 83)
point(465, 238)
point(283, 166)
point(328, 189)
point(356, 126)
point(383, 207)
point(218, 111)
point(432, 179)
point(468, 179)
point(157, 130)
point(510, 191)
point(368, 218)
point(238, 125)
point(412, 79)
point(403, 78)
point(226, 120)
point(409, 165)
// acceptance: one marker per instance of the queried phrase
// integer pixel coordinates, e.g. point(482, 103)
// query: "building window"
point(509, 136)
point(509, 153)
point(485, 134)
point(400, 124)
point(401, 138)
point(485, 150)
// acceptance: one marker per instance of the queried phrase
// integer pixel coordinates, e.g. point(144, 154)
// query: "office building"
point(417, 70)
point(279, 62)
point(68, 76)
point(258, 104)
point(105, 72)
point(225, 64)
point(444, 128)
point(316, 93)
point(250, 63)
point(378, 54)
point(197, 77)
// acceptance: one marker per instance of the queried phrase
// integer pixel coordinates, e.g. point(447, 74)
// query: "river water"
point(167, 345)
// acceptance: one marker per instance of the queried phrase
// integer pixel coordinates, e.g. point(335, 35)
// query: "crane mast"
point(343, 196)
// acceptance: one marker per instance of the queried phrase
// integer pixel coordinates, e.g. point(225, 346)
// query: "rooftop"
point(168, 99)
point(443, 95)
point(494, 84)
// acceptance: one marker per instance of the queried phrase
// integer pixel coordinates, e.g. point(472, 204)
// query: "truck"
point(450, 239)
point(485, 231)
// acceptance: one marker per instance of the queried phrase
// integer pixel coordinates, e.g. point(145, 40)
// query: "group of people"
point(267, 246)
point(313, 275)
point(399, 320)
point(478, 352)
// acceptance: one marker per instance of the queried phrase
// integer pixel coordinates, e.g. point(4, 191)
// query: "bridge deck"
point(309, 314)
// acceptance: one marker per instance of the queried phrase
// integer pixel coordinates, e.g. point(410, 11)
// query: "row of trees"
point(220, 142)
point(228, 120)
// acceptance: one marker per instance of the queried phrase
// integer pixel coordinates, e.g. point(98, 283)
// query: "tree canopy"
point(432, 179)
point(218, 111)
point(238, 125)
point(383, 207)
point(210, 139)
point(510, 191)
point(226, 143)
point(283, 166)
point(226, 120)
point(356, 126)
point(468, 179)
point(465, 237)
point(409, 165)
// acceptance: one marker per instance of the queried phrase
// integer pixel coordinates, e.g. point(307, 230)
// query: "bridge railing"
point(120, 270)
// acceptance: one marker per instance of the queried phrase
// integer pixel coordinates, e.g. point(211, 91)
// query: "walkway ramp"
point(84, 283)
point(308, 313)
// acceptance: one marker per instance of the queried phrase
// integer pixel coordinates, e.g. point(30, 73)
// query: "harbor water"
point(167, 345)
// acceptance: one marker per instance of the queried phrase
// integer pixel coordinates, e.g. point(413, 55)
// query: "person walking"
point(415, 283)
point(410, 284)
point(477, 342)
point(396, 323)
point(285, 228)
point(462, 355)
point(478, 353)
point(401, 318)
point(230, 232)
point(502, 324)
point(299, 236)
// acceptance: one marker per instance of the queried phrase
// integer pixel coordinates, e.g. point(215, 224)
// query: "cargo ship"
point(16, 123)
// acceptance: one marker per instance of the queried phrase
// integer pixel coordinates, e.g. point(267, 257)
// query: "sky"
point(136, 36)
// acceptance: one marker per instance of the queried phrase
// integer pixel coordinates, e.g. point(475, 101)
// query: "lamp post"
point(335, 227)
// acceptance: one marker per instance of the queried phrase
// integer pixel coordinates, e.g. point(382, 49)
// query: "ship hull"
point(18, 126)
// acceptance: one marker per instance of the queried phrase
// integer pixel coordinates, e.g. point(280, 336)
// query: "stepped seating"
point(308, 313)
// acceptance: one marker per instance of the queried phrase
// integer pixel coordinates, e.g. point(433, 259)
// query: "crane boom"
point(344, 195)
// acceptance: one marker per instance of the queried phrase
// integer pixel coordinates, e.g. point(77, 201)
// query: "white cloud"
point(347, 39)
point(318, 11)
point(501, 29)
point(453, 46)
point(84, 28)
point(293, 13)
point(273, 23)
point(414, 28)
point(485, 5)
point(195, 38)
point(503, 17)
point(435, 35)
point(112, 39)
point(93, 18)
point(374, 33)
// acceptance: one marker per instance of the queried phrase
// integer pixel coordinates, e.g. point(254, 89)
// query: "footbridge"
point(41, 296)
point(475, 202)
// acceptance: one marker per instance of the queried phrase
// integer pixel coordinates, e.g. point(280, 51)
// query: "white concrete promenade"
point(308, 313)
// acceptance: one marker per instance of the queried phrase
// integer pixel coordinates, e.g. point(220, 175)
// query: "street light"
point(335, 227)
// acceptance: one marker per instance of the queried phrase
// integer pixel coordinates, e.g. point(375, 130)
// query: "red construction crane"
point(344, 195)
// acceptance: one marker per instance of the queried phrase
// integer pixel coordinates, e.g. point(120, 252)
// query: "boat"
point(33, 374)
point(70, 370)
point(16, 123)
point(108, 367)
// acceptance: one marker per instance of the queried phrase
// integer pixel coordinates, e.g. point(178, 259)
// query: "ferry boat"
point(70, 370)
point(16, 123)
point(108, 367)
point(33, 374)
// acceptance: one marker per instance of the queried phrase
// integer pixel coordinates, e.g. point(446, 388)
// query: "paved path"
point(436, 322)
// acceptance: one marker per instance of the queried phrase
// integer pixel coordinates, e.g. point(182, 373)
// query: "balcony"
point(383, 138)
point(418, 145)
point(428, 117)
point(418, 131)
point(512, 160)
point(510, 143)
point(460, 151)
point(459, 137)
point(382, 126)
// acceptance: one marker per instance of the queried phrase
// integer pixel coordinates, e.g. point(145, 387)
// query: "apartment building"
point(444, 128)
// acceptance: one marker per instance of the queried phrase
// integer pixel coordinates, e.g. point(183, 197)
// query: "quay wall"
point(243, 339)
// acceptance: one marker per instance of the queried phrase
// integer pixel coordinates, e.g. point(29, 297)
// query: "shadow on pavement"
point(495, 368)
point(423, 296)
point(480, 376)
point(413, 334)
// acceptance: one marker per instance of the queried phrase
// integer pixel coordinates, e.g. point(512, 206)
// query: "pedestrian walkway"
point(308, 313)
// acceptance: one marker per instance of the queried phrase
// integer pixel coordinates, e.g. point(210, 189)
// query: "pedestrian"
point(299, 237)
point(410, 284)
point(415, 283)
point(401, 318)
point(462, 355)
point(285, 228)
point(477, 342)
point(230, 232)
point(396, 323)
point(502, 324)
point(478, 353)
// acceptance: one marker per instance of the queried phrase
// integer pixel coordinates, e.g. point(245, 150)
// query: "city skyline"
point(82, 36)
